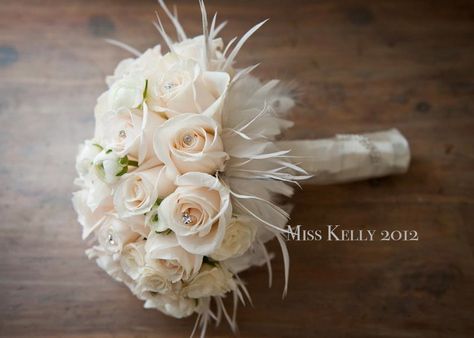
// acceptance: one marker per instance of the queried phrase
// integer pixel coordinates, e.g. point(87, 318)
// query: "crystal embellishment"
point(187, 218)
point(188, 139)
point(169, 85)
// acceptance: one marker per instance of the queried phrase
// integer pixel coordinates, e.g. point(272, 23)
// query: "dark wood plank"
point(360, 66)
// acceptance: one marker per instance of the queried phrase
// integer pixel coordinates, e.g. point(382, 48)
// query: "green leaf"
point(210, 261)
point(145, 90)
point(164, 232)
point(133, 163)
point(123, 171)
point(124, 160)
point(108, 151)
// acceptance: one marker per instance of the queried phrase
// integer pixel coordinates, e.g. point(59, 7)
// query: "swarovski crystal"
point(187, 218)
point(169, 85)
point(188, 139)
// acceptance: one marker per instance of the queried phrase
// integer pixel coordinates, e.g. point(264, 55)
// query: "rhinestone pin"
point(169, 85)
point(188, 139)
point(187, 218)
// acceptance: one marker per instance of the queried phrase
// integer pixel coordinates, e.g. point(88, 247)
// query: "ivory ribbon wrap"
point(351, 157)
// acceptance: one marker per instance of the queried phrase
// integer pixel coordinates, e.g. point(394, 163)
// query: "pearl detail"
point(188, 139)
point(110, 239)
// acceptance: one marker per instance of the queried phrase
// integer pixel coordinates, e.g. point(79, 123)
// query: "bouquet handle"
point(351, 157)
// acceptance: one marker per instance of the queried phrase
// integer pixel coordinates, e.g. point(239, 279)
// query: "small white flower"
point(109, 166)
point(194, 49)
point(172, 304)
point(85, 158)
point(239, 235)
point(212, 280)
point(152, 280)
point(151, 218)
point(127, 92)
point(132, 259)
point(123, 68)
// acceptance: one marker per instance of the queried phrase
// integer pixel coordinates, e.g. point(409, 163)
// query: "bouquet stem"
point(351, 157)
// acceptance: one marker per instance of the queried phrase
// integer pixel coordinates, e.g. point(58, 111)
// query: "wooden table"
point(360, 66)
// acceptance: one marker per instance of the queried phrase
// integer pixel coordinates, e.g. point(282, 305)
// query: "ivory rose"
point(114, 234)
point(181, 86)
point(211, 281)
point(144, 64)
point(190, 142)
point(88, 218)
point(128, 132)
point(138, 191)
point(132, 259)
point(197, 212)
point(194, 49)
point(123, 68)
point(239, 235)
point(106, 262)
point(166, 255)
point(152, 281)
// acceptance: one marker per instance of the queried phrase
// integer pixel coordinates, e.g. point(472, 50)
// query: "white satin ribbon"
point(351, 157)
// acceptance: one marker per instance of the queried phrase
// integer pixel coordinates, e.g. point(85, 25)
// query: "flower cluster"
point(177, 186)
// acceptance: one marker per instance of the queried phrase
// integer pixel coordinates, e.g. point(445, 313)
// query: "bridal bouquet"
point(178, 186)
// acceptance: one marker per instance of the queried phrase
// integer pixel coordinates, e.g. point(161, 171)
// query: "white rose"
point(181, 86)
point(149, 61)
point(85, 158)
point(106, 262)
point(132, 259)
point(127, 133)
point(166, 255)
point(151, 281)
point(138, 191)
point(144, 64)
point(190, 142)
point(172, 304)
point(194, 49)
point(88, 218)
point(109, 166)
point(239, 235)
point(198, 212)
point(123, 68)
point(127, 92)
point(114, 234)
point(211, 281)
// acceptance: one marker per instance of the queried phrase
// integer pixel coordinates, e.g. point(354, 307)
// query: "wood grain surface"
point(360, 66)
